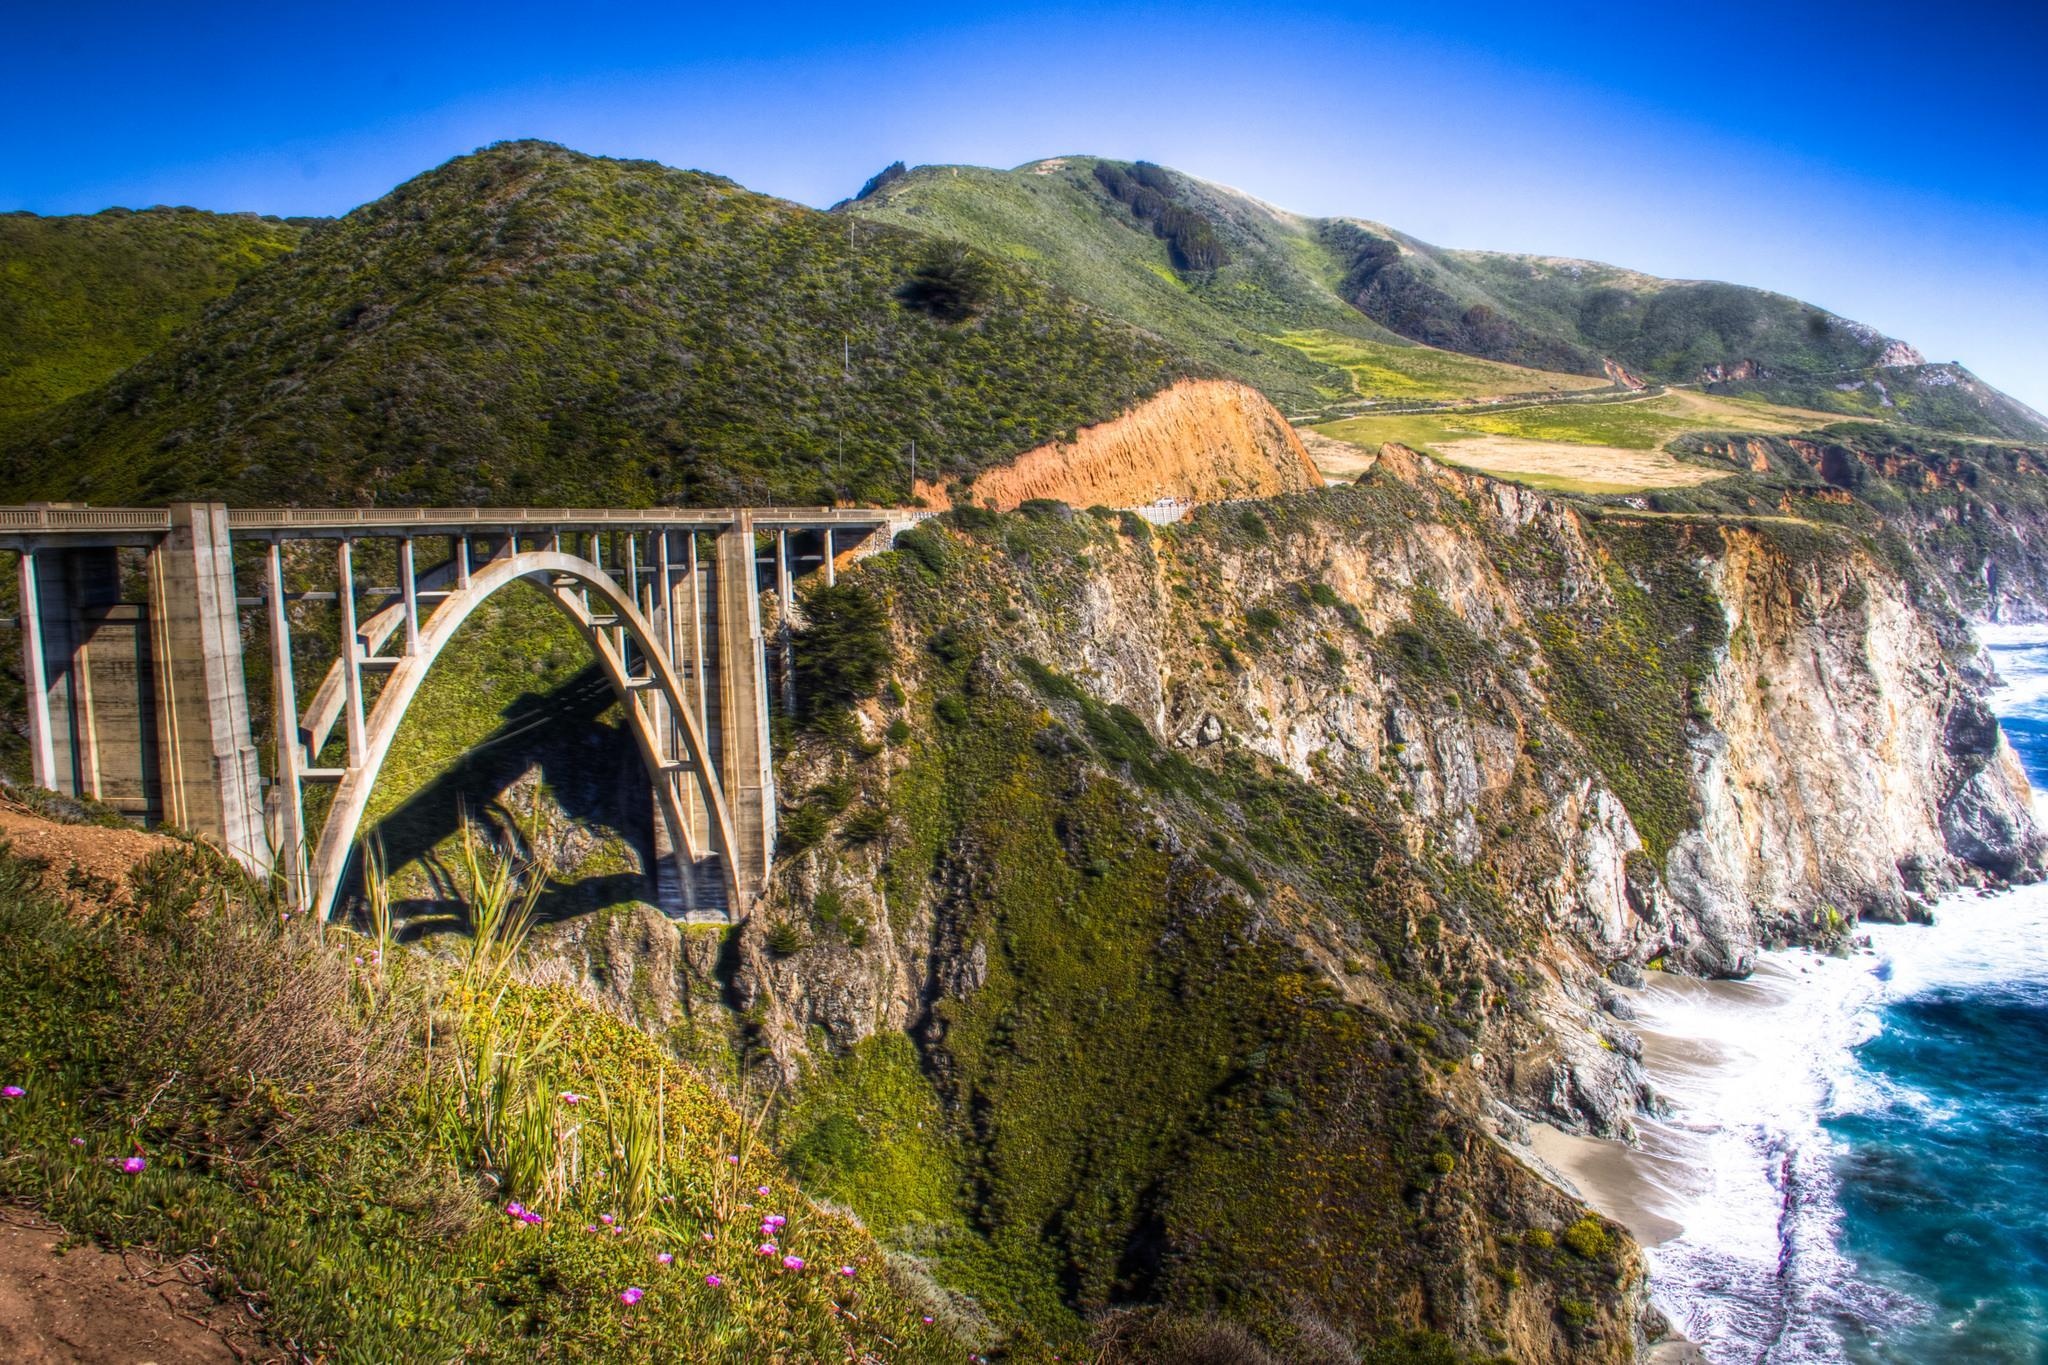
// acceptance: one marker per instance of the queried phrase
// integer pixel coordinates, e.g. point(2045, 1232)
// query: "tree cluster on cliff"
point(1148, 191)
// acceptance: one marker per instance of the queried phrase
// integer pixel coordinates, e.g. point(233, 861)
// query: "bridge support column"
point(206, 758)
point(42, 742)
point(785, 635)
point(746, 761)
point(288, 793)
point(86, 672)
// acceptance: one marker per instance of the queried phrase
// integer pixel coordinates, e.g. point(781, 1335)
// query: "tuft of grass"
point(499, 891)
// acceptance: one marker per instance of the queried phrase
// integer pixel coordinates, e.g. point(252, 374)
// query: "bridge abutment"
point(207, 768)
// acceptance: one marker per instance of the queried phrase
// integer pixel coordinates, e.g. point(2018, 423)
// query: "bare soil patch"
point(95, 850)
point(1575, 465)
point(1338, 461)
point(61, 1304)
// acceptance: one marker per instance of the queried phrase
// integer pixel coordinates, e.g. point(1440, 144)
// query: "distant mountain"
point(82, 298)
point(529, 324)
point(1270, 314)
point(1941, 397)
point(1323, 311)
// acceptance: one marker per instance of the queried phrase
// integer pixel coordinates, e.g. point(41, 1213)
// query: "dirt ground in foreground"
point(96, 851)
point(80, 1304)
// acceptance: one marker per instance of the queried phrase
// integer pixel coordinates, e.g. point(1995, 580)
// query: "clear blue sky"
point(1885, 160)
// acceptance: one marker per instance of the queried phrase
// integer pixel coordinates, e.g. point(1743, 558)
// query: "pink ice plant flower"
point(629, 1297)
point(792, 1263)
point(134, 1165)
point(713, 1281)
point(847, 1271)
point(78, 1142)
point(12, 1092)
point(606, 1219)
point(732, 1161)
point(664, 1258)
point(766, 1249)
point(571, 1097)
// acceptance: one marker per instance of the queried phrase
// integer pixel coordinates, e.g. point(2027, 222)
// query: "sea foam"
point(1826, 1173)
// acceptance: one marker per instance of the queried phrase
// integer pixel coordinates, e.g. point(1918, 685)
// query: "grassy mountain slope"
point(528, 324)
point(84, 297)
point(1726, 336)
point(1318, 312)
point(1578, 311)
point(1269, 314)
point(1940, 397)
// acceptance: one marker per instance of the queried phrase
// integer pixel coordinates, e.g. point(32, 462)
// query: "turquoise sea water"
point(1858, 1150)
point(1942, 1171)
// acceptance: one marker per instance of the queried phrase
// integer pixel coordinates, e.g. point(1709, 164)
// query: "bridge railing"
point(85, 519)
point(401, 518)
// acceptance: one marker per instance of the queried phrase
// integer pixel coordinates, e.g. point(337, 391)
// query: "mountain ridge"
point(528, 323)
point(1373, 285)
point(83, 296)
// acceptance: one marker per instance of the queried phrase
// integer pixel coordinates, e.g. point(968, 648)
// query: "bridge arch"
point(568, 581)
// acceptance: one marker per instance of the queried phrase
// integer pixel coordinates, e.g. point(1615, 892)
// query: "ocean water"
point(1857, 1149)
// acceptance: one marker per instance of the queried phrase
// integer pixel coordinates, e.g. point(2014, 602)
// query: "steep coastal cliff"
point(1439, 752)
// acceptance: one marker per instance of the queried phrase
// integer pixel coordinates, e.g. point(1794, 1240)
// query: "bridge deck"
point(19, 525)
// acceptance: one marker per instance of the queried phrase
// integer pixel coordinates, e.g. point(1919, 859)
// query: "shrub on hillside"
point(1148, 191)
point(841, 653)
point(950, 284)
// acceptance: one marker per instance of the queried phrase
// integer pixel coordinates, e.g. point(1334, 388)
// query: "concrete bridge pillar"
point(86, 665)
point(746, 756)
point(684, 891)
point(206, 756)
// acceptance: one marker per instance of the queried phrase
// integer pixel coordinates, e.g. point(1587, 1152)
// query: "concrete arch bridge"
point(144, 704)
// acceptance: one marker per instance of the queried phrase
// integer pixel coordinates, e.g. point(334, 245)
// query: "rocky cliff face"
point(1200, 440)
point(1454, 751)
point(1849, 765)
point(1961, 518)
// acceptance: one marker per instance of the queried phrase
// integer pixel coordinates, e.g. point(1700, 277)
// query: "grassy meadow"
point(1584, 447)
point(1390, 371)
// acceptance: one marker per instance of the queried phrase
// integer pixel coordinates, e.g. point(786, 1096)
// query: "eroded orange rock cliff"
point(1200, 440)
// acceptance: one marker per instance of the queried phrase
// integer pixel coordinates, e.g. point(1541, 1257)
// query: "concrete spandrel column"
point(208, 767)
point(745, 771)
point(35, 677)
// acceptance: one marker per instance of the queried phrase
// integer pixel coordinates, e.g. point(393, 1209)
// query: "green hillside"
point(529, 324)
point(82, 298)
point(1569, 314)
point(1326, 313)
point(1268, 313)
point(1943, 398)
